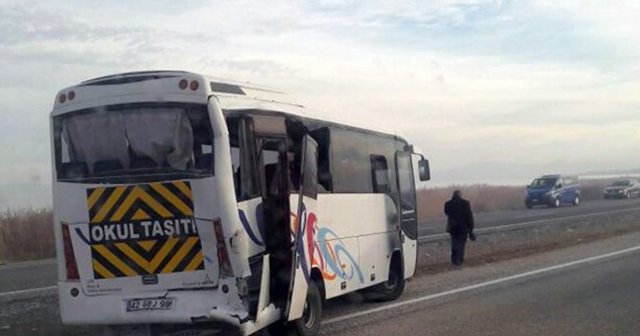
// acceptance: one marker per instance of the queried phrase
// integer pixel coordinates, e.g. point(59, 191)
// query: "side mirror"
point(423, 170)
point(559, 185)
point(528, 186)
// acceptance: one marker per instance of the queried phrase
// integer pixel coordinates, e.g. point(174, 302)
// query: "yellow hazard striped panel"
point(143, 229)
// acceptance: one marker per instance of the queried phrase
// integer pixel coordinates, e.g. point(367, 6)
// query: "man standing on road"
point(459, 225)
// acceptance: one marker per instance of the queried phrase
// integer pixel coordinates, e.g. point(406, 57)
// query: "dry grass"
point(485, 198)
point(592, 189)
point(26, 234)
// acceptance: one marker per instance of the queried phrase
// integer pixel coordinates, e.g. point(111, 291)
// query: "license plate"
point(150, 304)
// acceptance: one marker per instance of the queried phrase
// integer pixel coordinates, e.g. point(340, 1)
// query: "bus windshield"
point(127, 142)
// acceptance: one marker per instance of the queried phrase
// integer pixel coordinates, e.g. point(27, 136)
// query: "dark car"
point(622, 189)
point(553, 191)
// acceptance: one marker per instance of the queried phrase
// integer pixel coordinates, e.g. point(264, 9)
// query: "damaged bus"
point(182, 201)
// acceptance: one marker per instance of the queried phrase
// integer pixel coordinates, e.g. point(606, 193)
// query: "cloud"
point(466, 80)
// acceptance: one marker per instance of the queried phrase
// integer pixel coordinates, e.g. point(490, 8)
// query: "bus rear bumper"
point(189, 307)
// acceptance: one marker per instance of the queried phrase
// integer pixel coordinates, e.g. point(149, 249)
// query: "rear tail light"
point(223, 253)
point(71, 95)
point(182, 84)
point(62, 98)
point(69, 258)
point(194, 85)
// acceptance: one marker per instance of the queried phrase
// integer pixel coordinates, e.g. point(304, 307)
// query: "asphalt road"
point(497, 218)
point(23, 276)
point(593, 299)
point(586, 289)
point(27, 275)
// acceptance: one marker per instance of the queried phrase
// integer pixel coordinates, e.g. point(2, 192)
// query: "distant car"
point(553, 191)
point(626, 188)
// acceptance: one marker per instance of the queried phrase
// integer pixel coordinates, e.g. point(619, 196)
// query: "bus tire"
point(393, 287)
point(309, 323)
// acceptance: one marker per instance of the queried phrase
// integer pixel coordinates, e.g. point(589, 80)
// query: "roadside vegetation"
point(483, 198)
point(27, 234)
point(486, 198)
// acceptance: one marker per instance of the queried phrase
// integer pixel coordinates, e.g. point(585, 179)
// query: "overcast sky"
point(488, 89)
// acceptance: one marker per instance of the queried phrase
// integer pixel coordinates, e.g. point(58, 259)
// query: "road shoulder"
point(425, 285)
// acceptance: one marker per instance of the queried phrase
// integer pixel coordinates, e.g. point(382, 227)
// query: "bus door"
point(408, 211)
point(302, 229)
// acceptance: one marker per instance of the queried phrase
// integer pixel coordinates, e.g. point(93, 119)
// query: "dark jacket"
point(460, 217)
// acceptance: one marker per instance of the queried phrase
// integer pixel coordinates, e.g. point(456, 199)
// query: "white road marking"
point(28, 291)
point(535, 222)
point(479, 285)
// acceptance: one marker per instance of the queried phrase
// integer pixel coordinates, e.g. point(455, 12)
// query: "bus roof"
point(233, 95)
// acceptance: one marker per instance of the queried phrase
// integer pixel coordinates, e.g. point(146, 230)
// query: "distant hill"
point(510, 173)
point(618, 172)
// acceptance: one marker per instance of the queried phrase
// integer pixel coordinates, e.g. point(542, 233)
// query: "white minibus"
point(185, 200)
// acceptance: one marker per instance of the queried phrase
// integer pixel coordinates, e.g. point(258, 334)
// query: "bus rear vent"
point(226, 88)
point(131, 77)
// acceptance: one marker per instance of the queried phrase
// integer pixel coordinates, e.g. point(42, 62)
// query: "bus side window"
point(380, 175)
point(325, 181)
point(243, 157)
point(350, 162)
point(268, 160)
point(235, 167)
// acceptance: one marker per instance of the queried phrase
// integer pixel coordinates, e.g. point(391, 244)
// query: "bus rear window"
point(134, 142)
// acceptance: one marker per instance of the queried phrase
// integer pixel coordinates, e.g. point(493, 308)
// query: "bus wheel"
point(309, 323)
point(393, 287)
